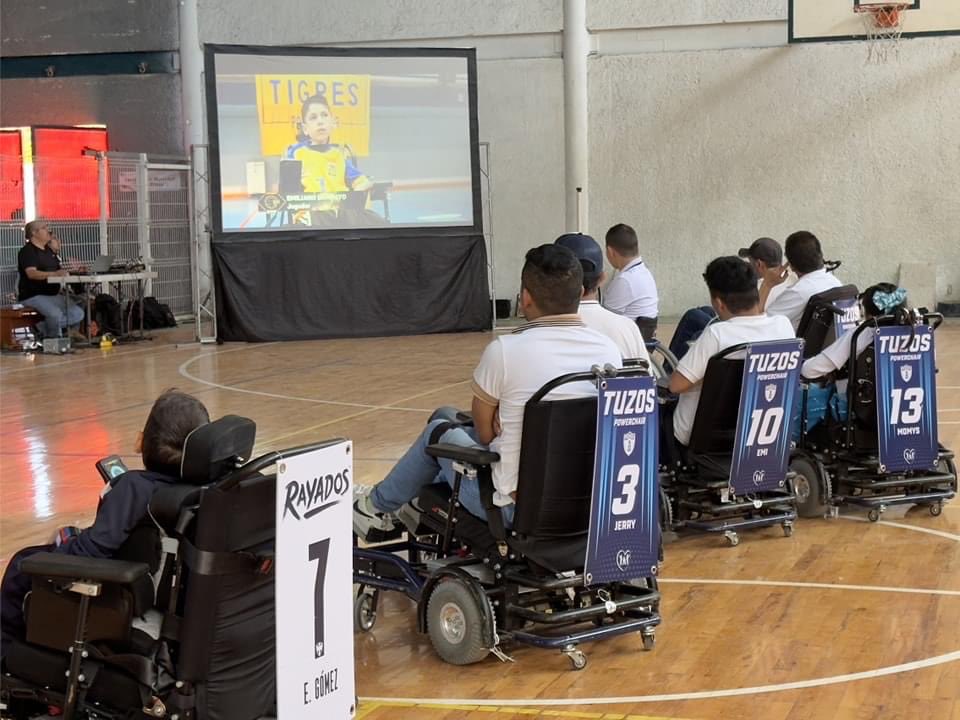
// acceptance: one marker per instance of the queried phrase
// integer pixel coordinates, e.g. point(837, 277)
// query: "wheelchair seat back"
point(819, 323)
point(715, 423)
point(556, 468)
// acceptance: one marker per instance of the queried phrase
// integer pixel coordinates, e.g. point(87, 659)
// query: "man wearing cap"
point(618, 328)
point(633, 292)
point(805, 258)
point(765, 253)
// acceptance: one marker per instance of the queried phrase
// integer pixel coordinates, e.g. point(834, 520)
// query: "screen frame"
point(211, 51)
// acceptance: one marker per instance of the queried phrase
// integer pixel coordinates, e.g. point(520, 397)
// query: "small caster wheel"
point(873, 515)
point(787, 529)
point(936, 508)
point(649, 640)
point(732, 538)
point(365, 611)
point(578, 661)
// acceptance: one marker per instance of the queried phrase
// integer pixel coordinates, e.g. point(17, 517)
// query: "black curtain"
point(304, 287)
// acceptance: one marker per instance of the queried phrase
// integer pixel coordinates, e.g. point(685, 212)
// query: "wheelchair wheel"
point(936, 508)
point(455, 624)
point(365, 610)
point(808, 487)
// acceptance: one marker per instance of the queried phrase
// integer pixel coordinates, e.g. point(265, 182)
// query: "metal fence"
point(140, 210)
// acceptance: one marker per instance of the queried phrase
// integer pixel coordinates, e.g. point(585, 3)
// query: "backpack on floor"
point(155, 315)
point(107, 314)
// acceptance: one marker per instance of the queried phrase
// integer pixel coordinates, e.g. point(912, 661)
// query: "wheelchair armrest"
point(472, 455)
point(73, 567)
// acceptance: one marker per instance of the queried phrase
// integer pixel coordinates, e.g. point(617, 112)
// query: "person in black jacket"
point(123, 503)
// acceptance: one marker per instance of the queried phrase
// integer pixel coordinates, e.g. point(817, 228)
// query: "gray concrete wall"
point(32, 27)
point(142, 113)
point(704, 151)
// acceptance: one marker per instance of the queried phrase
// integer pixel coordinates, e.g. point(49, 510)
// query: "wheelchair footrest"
point(578, 615)
point(931, 479)
point(589, 634)
point(901, 499)
point(723, 525)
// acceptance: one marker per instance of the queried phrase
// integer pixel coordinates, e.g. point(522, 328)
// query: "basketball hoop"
point(884, 26)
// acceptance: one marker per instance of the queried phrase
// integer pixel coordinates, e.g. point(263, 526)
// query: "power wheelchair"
point(476, 584)
point(180, 624)
point(696, 489)
point(837, 461)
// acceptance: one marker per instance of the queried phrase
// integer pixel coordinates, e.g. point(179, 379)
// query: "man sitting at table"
point(35, 263)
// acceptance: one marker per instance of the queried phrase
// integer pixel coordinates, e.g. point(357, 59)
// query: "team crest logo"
point(623, 560)
point(906, 372)
point(758, 477)
point(770, 392)
point(909, 455)
point(629, 442)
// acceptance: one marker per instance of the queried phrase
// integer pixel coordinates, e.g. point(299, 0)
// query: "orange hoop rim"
point(885, 16)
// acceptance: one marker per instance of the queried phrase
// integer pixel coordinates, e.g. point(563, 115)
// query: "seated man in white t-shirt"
point(633, 292)
point(733, 294)
point(805, 258)
point(553, 342)
point(618, 328)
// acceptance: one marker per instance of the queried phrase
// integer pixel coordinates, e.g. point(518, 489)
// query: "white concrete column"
point(191, 76)
point(576, 47)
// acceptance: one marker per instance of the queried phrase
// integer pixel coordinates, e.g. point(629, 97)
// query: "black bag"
point(155, 315)
point(106, 313)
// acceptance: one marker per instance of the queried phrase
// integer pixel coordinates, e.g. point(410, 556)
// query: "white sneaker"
point(368, 522)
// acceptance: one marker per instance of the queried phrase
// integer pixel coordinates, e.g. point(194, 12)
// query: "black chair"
point(818, 323)
point(523, 585)
point(214, 607)
point(836, 463)
point(696, 484)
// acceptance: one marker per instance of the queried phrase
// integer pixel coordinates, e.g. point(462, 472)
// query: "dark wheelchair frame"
point(476, 584)
point(836, 462)
point(209, 541)
point(694, 481)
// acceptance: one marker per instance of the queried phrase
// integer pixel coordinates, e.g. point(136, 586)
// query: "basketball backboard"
point(823, 20)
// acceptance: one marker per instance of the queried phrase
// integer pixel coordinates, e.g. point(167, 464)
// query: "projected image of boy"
point(326, 167)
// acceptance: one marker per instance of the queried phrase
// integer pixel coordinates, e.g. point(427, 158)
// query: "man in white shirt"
point(633, 292)
point(805, 258)
point(765, 253)
point(618, 328)
point(553, 342)
point(733, 294)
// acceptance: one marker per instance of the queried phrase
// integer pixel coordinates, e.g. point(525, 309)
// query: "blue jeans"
point(415, 470)
point(689, 328)
point(52, 308)
point(820, 401)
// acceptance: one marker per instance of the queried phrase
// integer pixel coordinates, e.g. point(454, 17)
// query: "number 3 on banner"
point(913, 397)
point(318, 551)
point(629, 476)
point(765, 426)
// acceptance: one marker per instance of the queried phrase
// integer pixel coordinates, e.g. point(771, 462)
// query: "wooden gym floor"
point(843, 620)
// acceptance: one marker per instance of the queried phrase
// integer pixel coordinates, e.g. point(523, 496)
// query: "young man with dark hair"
point(733, 294)
point(805, 258)
point(633, 292)
point(123, 502)
point(35, 263)
point(621, 330)
point(553, 342)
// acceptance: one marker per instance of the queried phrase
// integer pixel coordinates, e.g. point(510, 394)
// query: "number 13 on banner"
point(314, 581)
point(906, 398)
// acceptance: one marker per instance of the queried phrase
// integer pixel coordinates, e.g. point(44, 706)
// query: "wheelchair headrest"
point(213, 450)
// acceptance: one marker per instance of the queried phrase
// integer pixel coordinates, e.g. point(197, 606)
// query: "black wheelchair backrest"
point(556, 467)
point(715, 423)
point(214, 449)
point(556, 459)
point(817, 325)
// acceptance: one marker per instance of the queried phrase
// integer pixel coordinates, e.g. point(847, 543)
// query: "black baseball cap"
point(587, 250)
point(766, 249)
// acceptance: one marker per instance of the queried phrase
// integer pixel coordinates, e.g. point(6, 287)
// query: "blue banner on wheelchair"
point(623, 542)
point(906, 398)
point(849, 317)
point(761, 449)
